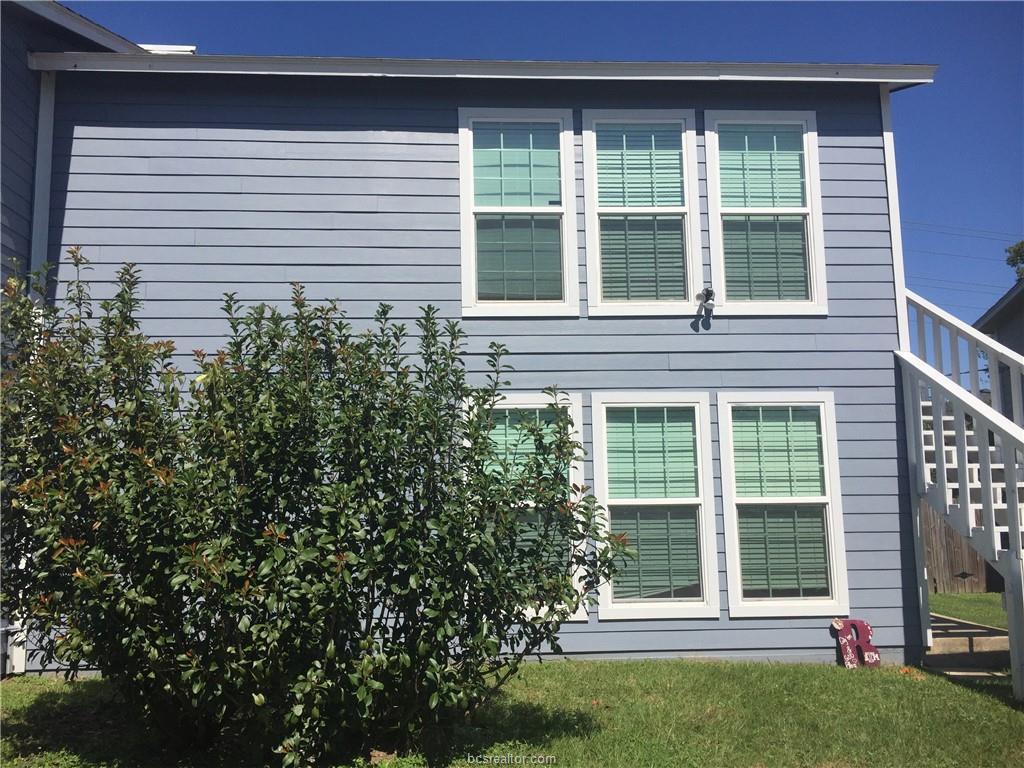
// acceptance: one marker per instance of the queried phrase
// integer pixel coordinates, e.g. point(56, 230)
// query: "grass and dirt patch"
point(606, 714)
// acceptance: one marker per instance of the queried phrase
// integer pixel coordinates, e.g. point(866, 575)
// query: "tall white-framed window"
point(518, 212)
point(764, 212)
point(642, 212)
point(785, 551)
point(514, 443)
point(652, 473)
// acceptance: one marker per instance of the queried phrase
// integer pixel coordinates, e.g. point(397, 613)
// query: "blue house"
point(706, 257)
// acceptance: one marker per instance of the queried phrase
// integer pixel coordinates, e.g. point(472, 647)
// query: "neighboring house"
point(1004, 322)
point(754, 451)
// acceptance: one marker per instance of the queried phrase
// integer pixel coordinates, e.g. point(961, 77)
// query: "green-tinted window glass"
point(666, 539)
point(642, 258)
point(783, 551)
point(762, 165)
point(516, 164)
point(652, 452)
point(512, 441)
point(777, 451)
point(766, 258)
point(518, 257)
point(640, 164)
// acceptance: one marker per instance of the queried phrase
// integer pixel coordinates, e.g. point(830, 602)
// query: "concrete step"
point(958, 644)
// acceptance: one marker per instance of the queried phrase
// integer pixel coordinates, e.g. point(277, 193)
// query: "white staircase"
point(965, 430)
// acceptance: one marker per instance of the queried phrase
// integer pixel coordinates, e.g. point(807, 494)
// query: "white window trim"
point(818, 303)
point(691, 211)
point(471, 306)
point(573, 401)
point(739, 607)
point(708, 607)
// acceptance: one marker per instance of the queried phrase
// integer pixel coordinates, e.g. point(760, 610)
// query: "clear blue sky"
point(959, 142)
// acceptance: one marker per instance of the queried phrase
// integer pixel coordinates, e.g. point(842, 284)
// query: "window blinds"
point(652, 452)
point(783, 551)
point(778, 451)
point(640, 166)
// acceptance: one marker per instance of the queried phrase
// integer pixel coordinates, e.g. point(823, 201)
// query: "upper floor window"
point(764, 205)
point(643, 237)
point(518, 208)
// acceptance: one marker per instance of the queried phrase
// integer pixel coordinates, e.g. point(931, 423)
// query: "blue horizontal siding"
point(351, 187)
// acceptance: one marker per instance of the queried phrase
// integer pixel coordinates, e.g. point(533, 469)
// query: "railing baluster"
point(988, 512)
point(938, 412)
point(914, 386)
point(995, 381)
point(922, 349)
point(954, 355)
point(963, 482)
point(937, 344)
point(1012, 451)
point(1016, 372)
point(972, 363)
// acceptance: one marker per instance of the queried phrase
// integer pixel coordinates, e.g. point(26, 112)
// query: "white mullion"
point(641, 210)
point(668, 501)
point(529, 210)
point(764, 211)
point(782, 500)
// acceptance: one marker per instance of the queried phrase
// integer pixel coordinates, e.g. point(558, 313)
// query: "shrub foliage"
point(312, 540)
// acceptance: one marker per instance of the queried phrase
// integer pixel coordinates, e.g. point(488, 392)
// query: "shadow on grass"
point(504, 722)
point(88, 720)
point(998, 688)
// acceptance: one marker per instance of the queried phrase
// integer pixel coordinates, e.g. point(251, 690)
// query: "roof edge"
point(900, 75)
point(1000, 304)
point(80, 25)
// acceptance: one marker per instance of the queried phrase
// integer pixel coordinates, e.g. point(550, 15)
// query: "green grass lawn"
point(980, 607)
point(609, 714)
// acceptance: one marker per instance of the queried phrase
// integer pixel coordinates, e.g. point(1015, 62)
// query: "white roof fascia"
point(898, 75)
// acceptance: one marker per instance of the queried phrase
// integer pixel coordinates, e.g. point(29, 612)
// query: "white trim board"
point(901, 75)
point(839, 602)
point(708, 605)
point(569, 306)
point(40, 242)
point(690, 210)
point(817, 305)
point(895, 227)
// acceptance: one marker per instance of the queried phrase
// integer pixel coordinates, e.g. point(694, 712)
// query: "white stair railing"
point(961, 352)
point(967, 461)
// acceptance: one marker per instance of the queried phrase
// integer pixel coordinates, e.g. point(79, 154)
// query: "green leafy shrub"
point(311, 541)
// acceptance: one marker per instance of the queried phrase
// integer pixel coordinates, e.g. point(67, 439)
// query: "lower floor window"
point(782, 503)
point(784, 550)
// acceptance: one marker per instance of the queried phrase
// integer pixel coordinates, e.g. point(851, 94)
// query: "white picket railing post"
point(988, 425)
